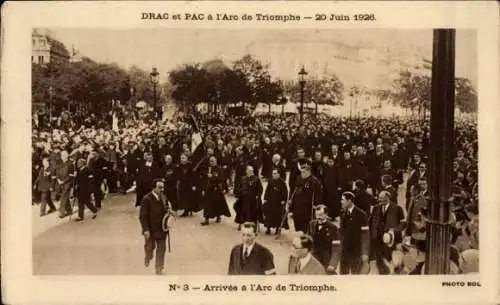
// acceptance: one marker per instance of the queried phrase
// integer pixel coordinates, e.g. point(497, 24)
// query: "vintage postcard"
point(277, 152)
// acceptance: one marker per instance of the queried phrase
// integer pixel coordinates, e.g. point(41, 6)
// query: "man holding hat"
point(386, 217)
point(153, 209)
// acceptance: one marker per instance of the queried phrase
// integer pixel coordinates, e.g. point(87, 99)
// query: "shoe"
point(94, 216)
point(62, 215)
point(268, 231)
point(42, 214)
point(50, 211)
point(204, 223)
point(217, 220)
point(239, 227)
point(79, 219)
point(159, 272)
point(185, 214)
point(146, 262)
point(278, 232)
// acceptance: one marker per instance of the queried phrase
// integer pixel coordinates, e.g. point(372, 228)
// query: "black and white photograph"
point(226, 151)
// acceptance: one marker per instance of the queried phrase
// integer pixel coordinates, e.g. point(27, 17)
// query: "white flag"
point(115, 121)
point(195, 140)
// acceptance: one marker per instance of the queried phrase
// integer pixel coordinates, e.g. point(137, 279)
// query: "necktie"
point(297, 267)
point(246, 253)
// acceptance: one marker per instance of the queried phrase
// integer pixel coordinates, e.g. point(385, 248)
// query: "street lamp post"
point(302, 82)
point(437, 260)
point(50, 103)
point(155, 78)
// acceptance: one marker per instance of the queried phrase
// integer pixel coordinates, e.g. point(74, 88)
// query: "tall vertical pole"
point(154, 101)
point(50, 104)
point(437, 259)
point(301, 102)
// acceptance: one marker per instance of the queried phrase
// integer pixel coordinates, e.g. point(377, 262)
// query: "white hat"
point(388, 238)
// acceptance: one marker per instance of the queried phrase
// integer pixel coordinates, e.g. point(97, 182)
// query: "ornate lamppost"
point(155, 78)
point(302, 82)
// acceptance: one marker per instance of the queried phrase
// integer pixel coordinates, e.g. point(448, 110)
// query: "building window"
point(34, 41)
point(40, 59)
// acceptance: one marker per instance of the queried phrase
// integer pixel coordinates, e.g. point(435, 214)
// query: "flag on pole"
point(197, 147)
point(115, 121)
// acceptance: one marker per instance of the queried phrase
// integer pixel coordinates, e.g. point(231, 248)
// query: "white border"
point(19, 286)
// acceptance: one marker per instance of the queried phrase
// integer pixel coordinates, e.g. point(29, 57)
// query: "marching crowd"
point(336, 179)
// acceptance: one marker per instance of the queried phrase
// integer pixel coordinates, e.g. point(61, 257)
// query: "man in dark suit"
point(302, 261)
point(363, 199)
point(386, 216)
point(83, 189)
point(98, 165)
point(354, 240)
point(307, 193)
point(326, 239)
point(250, 258)
point(148, 172)
point(295, 169)
point(154, 206)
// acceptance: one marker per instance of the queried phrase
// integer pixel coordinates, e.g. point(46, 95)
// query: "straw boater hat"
point(389, 238)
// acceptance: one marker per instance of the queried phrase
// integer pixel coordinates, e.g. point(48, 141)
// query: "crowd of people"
point(356, 188)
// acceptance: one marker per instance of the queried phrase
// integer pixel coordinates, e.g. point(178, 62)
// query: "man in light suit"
point(302, 261)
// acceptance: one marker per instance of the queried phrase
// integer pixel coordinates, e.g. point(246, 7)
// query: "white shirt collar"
point(305, 260)
point(148, 163)
point(351, 209)
point(156, 196)
point(250, 248)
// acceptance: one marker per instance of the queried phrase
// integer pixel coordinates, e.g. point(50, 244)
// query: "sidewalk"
point(49, 221)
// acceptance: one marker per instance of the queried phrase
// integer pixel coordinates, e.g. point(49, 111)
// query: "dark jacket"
point(354, 233)
point(84, 183)
point(151, 215)
point(260, 261)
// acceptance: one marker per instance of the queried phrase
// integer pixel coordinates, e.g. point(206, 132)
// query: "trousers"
point(160, 245)
point(84, 201)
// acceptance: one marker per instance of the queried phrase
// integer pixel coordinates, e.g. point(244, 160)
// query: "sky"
point(285, 50)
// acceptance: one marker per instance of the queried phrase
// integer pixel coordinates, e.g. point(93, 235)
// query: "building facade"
point(46, 50)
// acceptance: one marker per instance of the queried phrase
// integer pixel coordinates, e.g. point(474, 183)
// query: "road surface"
point(112, 243)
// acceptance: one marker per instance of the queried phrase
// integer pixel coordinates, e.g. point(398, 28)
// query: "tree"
point(413, 91)
point(191, 85)
point(465, 95)
point(258, 79)
point(141, 85)
point(326, 90)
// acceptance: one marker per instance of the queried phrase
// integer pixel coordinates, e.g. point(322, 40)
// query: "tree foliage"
point(326, 90)
point(84, 82)
point(413, 91)
point(212, 82)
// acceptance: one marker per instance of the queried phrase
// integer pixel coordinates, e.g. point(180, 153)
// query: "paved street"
point(113, 244)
